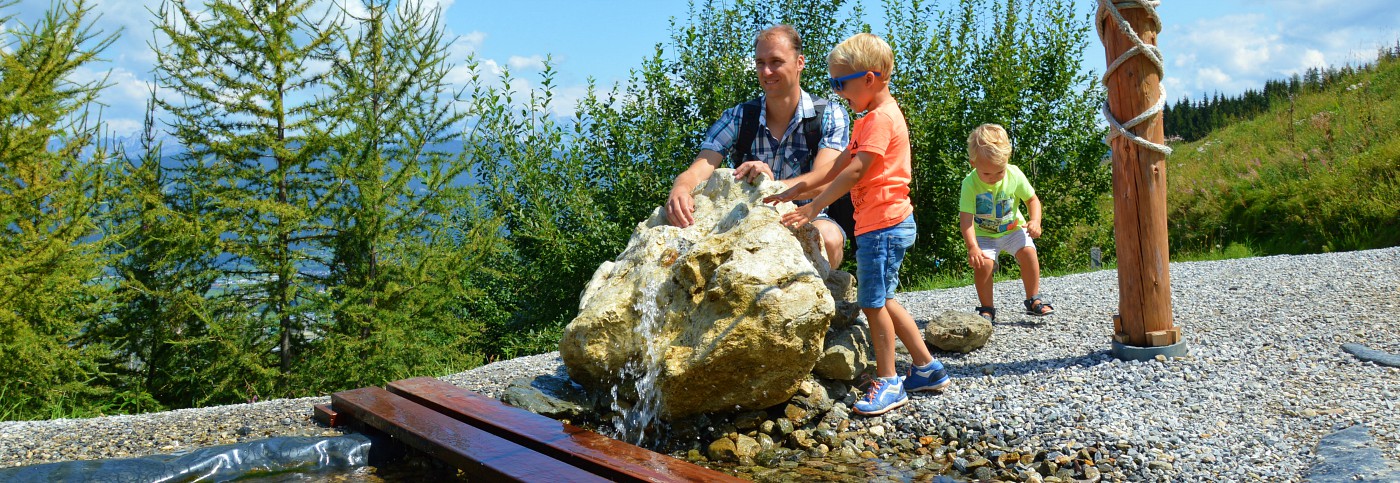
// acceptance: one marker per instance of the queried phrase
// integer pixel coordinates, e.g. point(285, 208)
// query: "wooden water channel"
point(492, 441)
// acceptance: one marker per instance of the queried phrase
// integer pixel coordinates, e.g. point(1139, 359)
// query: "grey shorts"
point(1010, 243)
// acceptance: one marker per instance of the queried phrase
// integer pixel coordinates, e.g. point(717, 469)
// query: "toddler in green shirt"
point(991, 222)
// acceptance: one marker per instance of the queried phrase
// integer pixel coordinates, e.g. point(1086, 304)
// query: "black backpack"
point(841, 210)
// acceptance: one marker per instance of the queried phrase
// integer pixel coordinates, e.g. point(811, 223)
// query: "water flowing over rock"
point(728, 313)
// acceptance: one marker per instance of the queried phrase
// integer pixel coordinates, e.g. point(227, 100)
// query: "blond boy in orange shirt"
point(876, 169)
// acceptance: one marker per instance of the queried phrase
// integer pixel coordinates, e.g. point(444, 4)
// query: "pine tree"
point(240, 79)
point(405, 256)
point(51, 187)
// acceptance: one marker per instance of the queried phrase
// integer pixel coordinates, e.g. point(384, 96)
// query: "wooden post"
point(1139, 181)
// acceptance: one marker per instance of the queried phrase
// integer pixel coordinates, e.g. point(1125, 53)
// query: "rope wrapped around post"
point(1143, 327)
point(1111, 7)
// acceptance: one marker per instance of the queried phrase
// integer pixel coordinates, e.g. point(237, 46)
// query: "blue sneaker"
point(931, 377)
point(885, 393)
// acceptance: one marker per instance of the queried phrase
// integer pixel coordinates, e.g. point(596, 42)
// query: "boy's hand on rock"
point(798, 217)
point(786, 195)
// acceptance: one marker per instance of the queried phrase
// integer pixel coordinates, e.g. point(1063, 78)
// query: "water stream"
point(642, 372)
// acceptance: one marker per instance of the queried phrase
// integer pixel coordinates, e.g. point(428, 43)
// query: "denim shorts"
point(878, 256)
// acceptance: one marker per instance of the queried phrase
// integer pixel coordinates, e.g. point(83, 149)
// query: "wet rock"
point(550, 396)
point(739, 303)
point(749, 421)
point(735, 448)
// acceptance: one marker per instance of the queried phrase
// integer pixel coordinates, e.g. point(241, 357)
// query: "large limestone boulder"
point(726, 314)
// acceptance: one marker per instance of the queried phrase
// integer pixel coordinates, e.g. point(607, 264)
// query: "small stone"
point(877, 431)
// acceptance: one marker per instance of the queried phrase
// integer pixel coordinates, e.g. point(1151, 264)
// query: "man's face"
point(779, 66)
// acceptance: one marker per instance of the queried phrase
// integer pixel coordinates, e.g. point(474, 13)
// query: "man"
point(779, 149)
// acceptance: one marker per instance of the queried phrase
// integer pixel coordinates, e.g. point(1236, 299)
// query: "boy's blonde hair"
point(989, 141)
point(864, 51)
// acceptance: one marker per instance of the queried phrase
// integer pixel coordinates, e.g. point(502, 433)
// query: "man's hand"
point(1033, 228)
point(680, 209)
point(750, 170)
point(800, 216)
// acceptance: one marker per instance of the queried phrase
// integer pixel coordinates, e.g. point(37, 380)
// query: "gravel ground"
point(1266, 378)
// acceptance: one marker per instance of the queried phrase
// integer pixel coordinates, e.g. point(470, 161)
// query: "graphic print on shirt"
point(995, 213)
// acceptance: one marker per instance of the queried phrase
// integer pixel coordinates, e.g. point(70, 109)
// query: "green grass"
point(1315, 174)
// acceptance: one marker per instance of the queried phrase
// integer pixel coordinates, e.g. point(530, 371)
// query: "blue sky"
point(1209, 45)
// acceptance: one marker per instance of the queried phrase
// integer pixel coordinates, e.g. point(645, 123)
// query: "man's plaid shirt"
point(783, 157)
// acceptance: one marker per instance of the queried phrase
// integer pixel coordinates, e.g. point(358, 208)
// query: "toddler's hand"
point(976, 258)
point(1033, 228)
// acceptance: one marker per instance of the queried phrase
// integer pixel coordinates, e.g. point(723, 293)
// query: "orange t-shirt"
point(881, 197)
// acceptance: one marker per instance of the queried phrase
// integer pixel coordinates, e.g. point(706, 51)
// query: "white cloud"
point(1312, 58)
point(124, 127)
point(534, 62)
point(1212, 76)
point(1233, 53)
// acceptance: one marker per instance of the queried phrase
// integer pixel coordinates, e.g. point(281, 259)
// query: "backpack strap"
point(748, 130)
point(812, 128)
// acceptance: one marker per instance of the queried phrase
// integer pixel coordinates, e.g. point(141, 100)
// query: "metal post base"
point(1126, 352)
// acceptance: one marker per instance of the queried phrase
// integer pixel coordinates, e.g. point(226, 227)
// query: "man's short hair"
point(990, 142)
point(780, 31)
point(862, 52)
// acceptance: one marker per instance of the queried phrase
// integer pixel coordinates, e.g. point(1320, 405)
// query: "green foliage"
point(1316, 174)
point(239, 76)
point(322, 232)
point(1012, 63)
point(402, 270)
point(50, 251)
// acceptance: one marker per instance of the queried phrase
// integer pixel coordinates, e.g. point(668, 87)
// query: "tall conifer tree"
point(50, 190)
point(240, 78)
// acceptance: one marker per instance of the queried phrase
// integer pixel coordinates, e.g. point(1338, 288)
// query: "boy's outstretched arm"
point(975, 256)
point(824, 170)
point(1033, 224)
point(848, 177)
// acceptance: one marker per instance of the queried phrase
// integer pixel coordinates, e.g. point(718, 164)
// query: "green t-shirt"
point(996, 208)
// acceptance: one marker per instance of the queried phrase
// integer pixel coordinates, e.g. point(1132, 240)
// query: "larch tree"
point(239, 79)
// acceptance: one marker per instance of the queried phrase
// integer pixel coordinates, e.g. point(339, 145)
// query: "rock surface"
point(727, 313)
point(955, 331)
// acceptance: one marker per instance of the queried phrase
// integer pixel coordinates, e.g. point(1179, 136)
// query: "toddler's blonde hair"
point(989, 141)
point(864, 51)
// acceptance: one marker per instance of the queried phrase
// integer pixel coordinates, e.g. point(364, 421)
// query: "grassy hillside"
point(1317, 174)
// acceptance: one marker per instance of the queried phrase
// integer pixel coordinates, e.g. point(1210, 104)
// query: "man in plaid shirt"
point(779, 153)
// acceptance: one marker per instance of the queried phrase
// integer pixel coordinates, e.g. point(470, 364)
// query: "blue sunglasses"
point(839, 83)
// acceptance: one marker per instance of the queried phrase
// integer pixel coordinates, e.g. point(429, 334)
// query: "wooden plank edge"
point(577, 446)
point(484, 456)
point(327, 415)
